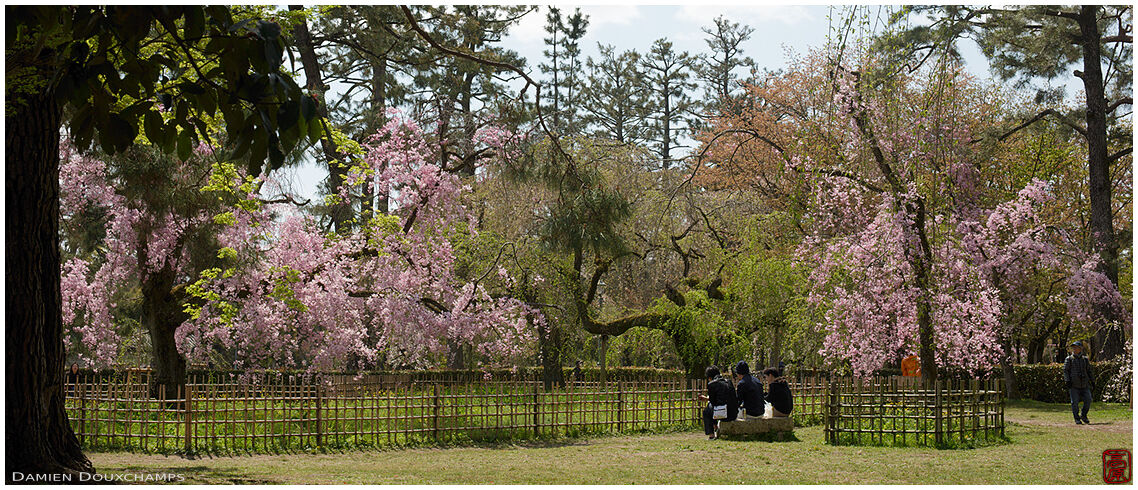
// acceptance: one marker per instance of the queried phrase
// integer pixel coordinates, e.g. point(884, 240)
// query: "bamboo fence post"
point(832, 406)
point(619, 406)
point(536, 411)
point(827, 408)
point(1000, 397)
point(975, 407)
point(435, 420)
point(319, 433)
point(82, 414)
point(936, 413)
point(189, 419)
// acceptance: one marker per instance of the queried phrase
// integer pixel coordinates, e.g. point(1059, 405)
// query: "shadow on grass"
point(764, 437)
point(482, 440)
point(195, 475)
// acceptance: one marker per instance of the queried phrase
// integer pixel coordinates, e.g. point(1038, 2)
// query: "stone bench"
point(774, 425)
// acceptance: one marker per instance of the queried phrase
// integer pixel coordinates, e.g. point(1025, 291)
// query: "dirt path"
point(1113, 426)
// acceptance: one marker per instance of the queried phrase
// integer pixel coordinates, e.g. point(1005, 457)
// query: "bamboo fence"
point(281, 414)
point(905, 412)
point(269, 412)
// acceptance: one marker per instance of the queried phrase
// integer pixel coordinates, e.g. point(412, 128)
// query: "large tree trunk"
point(1011, 383)
point(379, 105)
point(456, 355)
point(39, 438)
point(468, 126)
point(921, 267)
point(551, 373)
point(341, 212)
point(161, 315)
point(603, 357)
point(776, 347)
point(1108, 340)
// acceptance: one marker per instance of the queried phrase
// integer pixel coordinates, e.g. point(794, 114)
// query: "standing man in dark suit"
point(1080, 381)
point(748, 391)
point(719, 393)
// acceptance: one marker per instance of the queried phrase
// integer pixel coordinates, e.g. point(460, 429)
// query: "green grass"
point(1043, 448)
point(228, 423)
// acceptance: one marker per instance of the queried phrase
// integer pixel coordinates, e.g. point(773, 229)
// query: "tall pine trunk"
point(39, 438)
point(341, 212)
point(1108, 340)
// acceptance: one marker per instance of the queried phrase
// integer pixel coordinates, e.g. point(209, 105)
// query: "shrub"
point(1044, 382)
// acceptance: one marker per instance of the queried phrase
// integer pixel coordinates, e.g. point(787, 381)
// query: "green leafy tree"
point(111, 70)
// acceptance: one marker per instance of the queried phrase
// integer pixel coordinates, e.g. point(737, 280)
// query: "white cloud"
point(704, 15)
point(600, 15)
point(531, 28)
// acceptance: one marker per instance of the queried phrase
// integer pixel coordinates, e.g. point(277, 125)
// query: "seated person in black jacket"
point(748, 391)
point(778, 393)
point(719, 392)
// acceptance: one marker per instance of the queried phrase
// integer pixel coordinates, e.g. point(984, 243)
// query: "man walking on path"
point(1077, 375)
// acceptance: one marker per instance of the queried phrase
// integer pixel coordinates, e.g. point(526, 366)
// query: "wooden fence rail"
point(904, 412)
point(303, 413)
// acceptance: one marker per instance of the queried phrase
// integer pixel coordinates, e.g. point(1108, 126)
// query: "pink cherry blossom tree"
point(385, 294)
point(910, 253)
point(155, 232)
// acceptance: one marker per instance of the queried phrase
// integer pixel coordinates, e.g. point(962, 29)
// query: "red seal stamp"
point(1116, 466)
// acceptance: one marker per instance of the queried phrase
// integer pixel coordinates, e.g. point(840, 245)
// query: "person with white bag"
point(748, 392)
point(721, 402)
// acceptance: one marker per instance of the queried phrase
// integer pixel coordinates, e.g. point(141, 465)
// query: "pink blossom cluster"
point(87, 314)
point(387, 292)
point(137, 242)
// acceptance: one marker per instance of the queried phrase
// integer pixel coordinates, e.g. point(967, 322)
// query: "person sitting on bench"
point(778, 393)
point(721, 398)
point(749, 392)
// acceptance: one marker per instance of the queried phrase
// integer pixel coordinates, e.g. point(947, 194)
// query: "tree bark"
point(379, 105)
point(1108, 340)
point(456, 358)
point(161, 315)
point(341, 212)
point(551, 373)
point(603, 357)
point(1011, 382)
point(39, 438)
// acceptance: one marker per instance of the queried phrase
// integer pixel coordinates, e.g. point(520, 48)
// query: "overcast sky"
point(778, 28)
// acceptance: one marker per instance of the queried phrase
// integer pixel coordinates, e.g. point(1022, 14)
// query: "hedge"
point(1044, 382)
point(1041, 382)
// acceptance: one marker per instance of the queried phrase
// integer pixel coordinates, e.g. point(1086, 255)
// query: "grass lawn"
point(1046, 448)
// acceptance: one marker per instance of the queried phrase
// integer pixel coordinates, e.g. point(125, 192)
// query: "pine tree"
point(563, 67)
point(667, 78)
point(716, 69)
point(614, 100)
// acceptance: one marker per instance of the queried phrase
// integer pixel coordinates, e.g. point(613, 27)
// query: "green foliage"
point(767, 292)
point(590, 205)
point(162, 73)
point(701, 334)
point(283, 280)
point(642, 347)
point(1044, 382)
